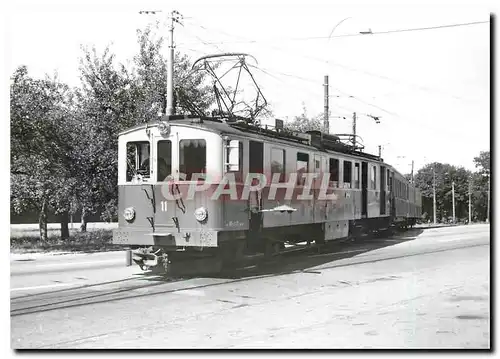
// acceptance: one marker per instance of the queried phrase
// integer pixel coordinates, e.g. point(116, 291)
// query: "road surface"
point(421, 289)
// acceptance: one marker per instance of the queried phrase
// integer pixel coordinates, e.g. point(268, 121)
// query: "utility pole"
point(326, 123)
point(174, 17)
point(412, 163)
point(488, 213)
point(354, 130)
point(434, 191)
point(379, 151)
point(453, 199)
point(470, 212)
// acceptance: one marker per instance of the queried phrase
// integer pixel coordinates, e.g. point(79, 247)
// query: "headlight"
point(129, 213)
point(201, 214)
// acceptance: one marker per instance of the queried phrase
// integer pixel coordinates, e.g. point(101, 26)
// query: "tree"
point(150, 79)
point(113, 98)
point(41, 180)
point(482, 162)
point(445, 174)
point(480, 185)
point(303, 123)
point(106, 104)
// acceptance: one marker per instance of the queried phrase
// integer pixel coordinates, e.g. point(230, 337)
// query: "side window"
point(234, 158)
point(388, 188)
point(278, 163)
point(356, 175)
point(164, 160)
point(138, 159)
point(347, 174)
point(334, 172)
point(192, 157)
point(302, 167)
point(374, 178)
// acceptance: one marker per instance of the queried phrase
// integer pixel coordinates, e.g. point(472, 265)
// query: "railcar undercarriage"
point(234, 253)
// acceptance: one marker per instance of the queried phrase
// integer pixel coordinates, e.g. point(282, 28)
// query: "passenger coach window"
point(356, 175)
point(137, 159)
point(164, 160)
point(334, 172)
point(278, 163)
point(192, 157)
point(374, 178)
point(302, 167)
point(347, 174)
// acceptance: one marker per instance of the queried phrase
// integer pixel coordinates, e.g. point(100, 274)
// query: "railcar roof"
point(222, 128)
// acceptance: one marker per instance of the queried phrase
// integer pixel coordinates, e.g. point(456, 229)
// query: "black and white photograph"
point(250, 175)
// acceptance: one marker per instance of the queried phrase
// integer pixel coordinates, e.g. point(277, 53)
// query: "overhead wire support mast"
point(175, 17)
point(327, 111)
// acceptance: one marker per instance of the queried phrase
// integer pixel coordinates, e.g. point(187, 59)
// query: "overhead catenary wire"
point(329, 62)
point(312, 92)
point(250, 41)
point(310, 80)
point(340, 91)
point(209, 29)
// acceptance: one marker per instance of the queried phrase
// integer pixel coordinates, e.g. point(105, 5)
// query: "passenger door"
point(255, 165)
point(382, 190)
point(319, 166)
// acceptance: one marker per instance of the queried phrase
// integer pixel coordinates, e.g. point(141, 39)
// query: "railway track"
point(132, 287)
point(294, 261)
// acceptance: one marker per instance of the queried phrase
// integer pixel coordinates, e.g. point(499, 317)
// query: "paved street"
point(422, 289)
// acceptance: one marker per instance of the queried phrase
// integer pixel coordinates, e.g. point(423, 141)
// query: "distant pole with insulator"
point(453, 199)
point(354, 130)
point(434, 191)
point(175, 16)
point(489, 189)
point(170, 68)
point(326, 122)
point(470, 205)
point(412, 163)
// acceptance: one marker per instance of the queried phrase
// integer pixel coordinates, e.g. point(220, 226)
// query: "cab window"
point(164, 160)
point(192, 157)
point(138, 159)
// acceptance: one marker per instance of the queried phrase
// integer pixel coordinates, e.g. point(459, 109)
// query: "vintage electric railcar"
point(186, 191)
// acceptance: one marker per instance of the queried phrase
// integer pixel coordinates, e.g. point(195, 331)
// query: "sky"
point(430, 88)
